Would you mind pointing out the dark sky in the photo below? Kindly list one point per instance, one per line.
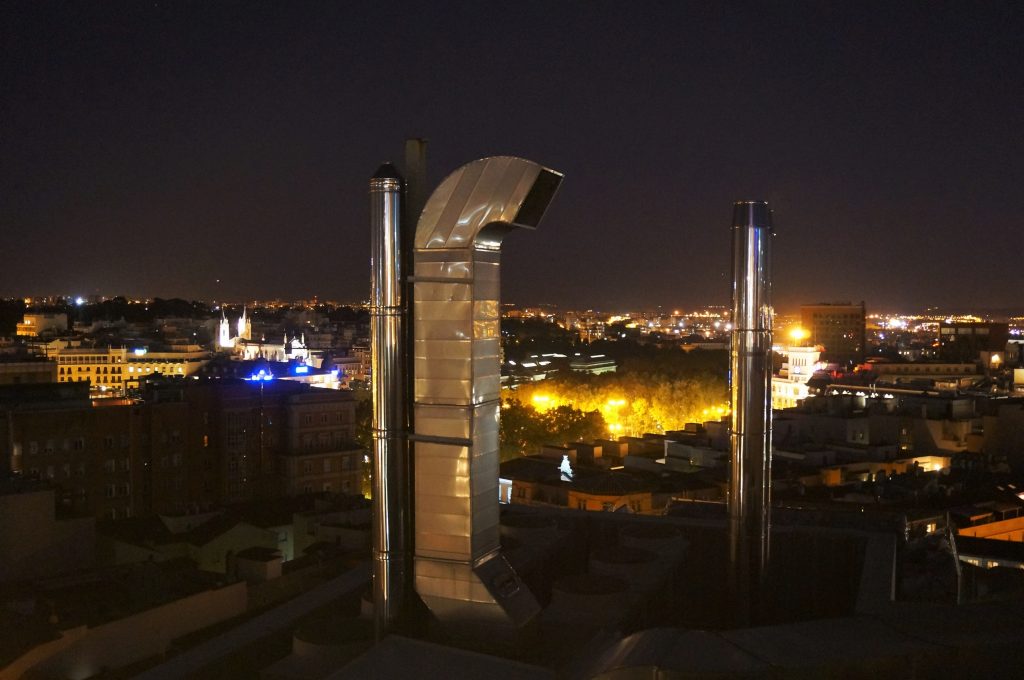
(153, 148)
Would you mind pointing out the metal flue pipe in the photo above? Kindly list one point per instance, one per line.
(392, 556)
(751, 432)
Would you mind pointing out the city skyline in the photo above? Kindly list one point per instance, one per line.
(223, 151)
(938, 312)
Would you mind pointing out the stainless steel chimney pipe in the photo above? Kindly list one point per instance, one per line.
(751, 433)
(392, 557)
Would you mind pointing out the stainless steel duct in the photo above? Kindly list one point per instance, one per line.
(392, 575)
(751, 435)
(460, 573)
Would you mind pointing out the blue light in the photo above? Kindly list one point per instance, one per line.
(302, 369)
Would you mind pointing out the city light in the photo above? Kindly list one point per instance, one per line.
(798, 334)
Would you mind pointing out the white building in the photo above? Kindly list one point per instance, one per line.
(790, 385)
(243, 330)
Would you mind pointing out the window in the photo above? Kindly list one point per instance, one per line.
(307, 467)
(307, 419)
(33, 448)
(327, 464)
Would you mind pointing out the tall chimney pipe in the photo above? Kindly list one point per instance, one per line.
(751, 434)
(392, 557)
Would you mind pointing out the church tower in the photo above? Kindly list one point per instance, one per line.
(224, 340)
(244, 326)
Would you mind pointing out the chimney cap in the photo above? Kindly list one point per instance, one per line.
(387, 171)
(752, 214)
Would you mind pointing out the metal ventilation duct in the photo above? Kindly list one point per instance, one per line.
(459, 571)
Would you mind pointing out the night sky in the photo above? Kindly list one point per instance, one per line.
(153, 148)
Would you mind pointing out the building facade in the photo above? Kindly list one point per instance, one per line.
(37, 324)
(186, 447)
(966, 341)
(838, 327)
(790, 387)
(104, 369)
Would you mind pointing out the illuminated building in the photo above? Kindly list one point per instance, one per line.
(143, 363)
(244, 326)
(790, 385)
(595, 364)
(224, 340)
(839, 327)
(104, 368)
(286, 350)
(364, 355)
(36, 324)
(243, 330)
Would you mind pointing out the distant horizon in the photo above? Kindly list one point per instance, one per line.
(935, 310)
